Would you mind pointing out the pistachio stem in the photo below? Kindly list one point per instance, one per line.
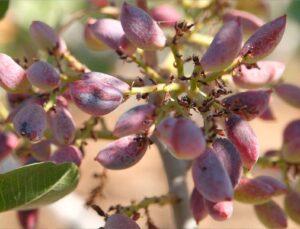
(155, 88)
(146, 202)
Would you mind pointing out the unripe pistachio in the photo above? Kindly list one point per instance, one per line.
(197, 206)
(90, 39)
(31, 121)
(28, 218)
(210, 177)
(264, 40)
(165, 15)
(137, 120)
(123, 153)
(230, 158)
(219, 211)
(291, 131)
(141, 29)
(61, 101)
(41, 151)
(8, 142)
(255, 77)
(224, 47)
(289, 93)
(46, 38)
(292, 206)
(12, 76)
(250, 104)
(62, 125)
(250, 22)
(15, 99)
(182, 136)
(125, 46)
(119, 221)
(253, 191)
(68, 153)
(43, 76)
(243, 137)
(97, 93)
(110, 32)
(30, 100)
(268, 115)
(279, 188)
(271, 215)
(108, 80)
(291, 151)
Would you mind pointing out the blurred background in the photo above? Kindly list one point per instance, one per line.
(147, 178)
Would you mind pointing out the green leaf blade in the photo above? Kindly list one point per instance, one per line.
(4, 4)
(36, 185)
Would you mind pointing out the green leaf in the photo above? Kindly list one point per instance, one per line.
(3, 7)
(36, 185)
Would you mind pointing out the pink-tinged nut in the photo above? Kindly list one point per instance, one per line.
(253, 191)
(197, 206)
(292, 206)
(224, 47)
(165, 15)
(164, 131)
(243, 137)
(123, 153)
(108, 80)
(15, 99)
(250, 104)
(289, 93)
(62, 125)
(141, 29)
(291, 151)
(219, 211)
(46, 38)
(279, 187)
(210, 177)
(29, 100)
(43, 76)
(119, 221)
(250, 22)
(271, 215)
(8, 142)
(28, 219)
(268, 115)
(97, 93)
(264, 40)
(41, 151)
(12, 76)
(182, 136)
(255, 77)
(91, 40)
(230, 158)
(291, 131)
(31, 121)
(109, 31)
(68, 153)
(125, 46)
(137, 120)
(61, 101)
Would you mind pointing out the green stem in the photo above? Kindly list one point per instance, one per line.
(155, 88)
(215, 75)
(146, 202)
(178, 61)
(148, 70)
